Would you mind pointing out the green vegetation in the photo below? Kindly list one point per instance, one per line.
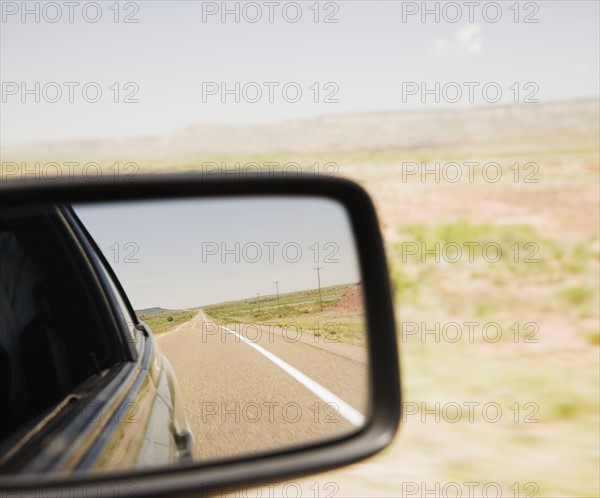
(517, 248)
(487, 254)
(579, 299)
(339, 320)
(577, 296)
(404, 287)
(593, 337)
(262, 308)
(165, 320)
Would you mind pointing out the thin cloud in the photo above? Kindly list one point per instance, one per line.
(469, 39)
(466, 41)
(440, 46)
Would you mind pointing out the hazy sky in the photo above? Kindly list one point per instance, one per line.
(186, 253)
(170, 54)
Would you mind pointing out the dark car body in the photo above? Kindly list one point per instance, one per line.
(84, 385)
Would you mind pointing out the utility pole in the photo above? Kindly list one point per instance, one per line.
(277, 287)
(257, 301)
(319, 280)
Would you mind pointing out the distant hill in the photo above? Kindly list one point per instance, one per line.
(369, 131)
(151, 311)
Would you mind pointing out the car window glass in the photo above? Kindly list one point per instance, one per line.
(122, 309)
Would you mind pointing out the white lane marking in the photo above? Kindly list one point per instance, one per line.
(348, 412)
(175, 330)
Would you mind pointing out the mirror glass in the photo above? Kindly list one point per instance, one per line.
(252, 334)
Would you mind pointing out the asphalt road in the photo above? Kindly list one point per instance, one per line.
(248, 390)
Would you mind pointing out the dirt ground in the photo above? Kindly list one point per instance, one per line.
(555, 375)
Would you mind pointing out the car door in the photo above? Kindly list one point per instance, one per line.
(87, 388)
(148, 428)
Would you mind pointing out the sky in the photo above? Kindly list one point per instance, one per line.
(179, 254)
(163, 70)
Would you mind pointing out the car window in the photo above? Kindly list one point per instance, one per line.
(54, 333)
(122, 310)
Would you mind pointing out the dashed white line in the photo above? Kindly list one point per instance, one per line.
(192, 321)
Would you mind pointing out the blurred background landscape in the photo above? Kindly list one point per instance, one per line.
(513, 401)
(544, 302)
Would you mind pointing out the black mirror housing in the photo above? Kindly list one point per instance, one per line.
(197, 478)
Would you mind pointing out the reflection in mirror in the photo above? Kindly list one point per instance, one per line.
(254, 339)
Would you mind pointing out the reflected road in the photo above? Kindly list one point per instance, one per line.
(248, 389)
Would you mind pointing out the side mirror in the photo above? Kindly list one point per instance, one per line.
(182, 335)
